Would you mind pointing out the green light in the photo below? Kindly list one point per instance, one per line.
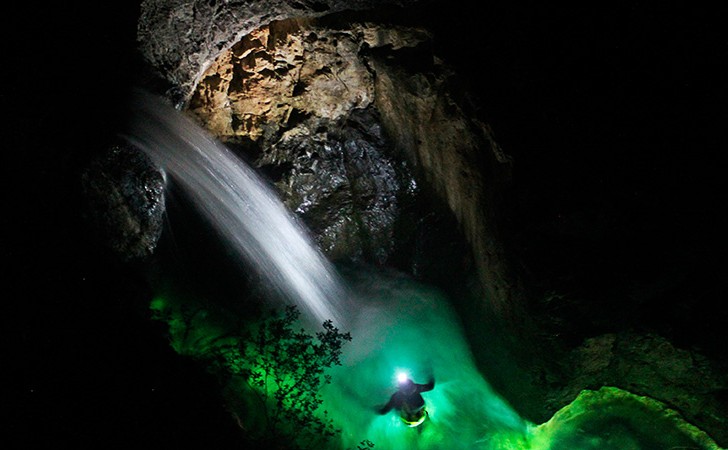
(406, 328)
(416, 421)
(402, 328)
(614, 419)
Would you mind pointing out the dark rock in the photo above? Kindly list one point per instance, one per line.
(343, 183)
(124, 196)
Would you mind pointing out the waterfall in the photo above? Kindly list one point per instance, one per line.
(241, 206)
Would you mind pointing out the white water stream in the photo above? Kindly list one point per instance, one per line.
(242, 206)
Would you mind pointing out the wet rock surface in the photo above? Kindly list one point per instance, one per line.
(343, 184)
(610, 417)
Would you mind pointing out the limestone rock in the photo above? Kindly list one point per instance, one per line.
(297, 97)
(647, 364)
(279, 74)
(180, 38)
(614, 418)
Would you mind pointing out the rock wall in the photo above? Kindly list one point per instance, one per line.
(648, 364)
(357, 123)
(297, 99)
(259, 82)
(181, 38)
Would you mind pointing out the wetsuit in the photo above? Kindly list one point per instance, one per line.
(408, 401)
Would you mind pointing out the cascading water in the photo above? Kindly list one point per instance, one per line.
(242, 208)
(396, 324)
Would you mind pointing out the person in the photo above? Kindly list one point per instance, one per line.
(408, 401)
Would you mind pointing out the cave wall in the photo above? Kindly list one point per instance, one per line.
(369, 138)
(301, 80)
(292, 95)
(297, 100)
(180, 38)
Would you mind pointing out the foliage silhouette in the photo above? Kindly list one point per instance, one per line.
(281, 371)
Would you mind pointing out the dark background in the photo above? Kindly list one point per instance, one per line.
(614, 116)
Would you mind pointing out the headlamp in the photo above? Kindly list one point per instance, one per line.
(402, 377)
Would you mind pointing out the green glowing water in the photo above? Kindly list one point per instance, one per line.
(399, 325)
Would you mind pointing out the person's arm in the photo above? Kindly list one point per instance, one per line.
(388, 407)
(426, 387)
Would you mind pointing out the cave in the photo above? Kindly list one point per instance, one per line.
(553, 172)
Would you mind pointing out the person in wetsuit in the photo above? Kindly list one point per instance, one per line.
(408, 401)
